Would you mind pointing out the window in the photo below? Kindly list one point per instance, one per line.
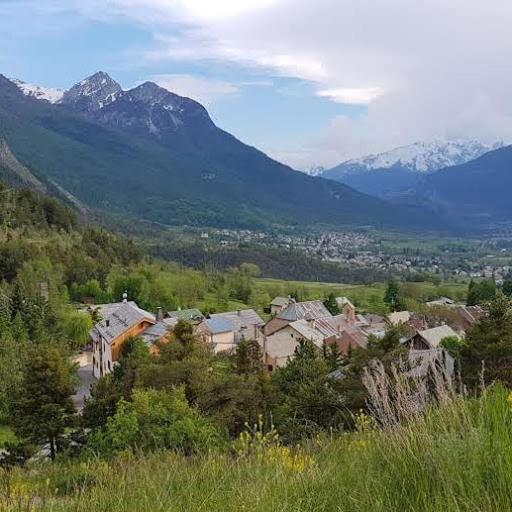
(109, 367)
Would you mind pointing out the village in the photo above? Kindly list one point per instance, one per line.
(490, 257)
(290, 322)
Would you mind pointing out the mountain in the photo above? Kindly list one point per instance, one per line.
(390, 172)
(38, 92)
(150, 154)
(478, 191)
(315, 171)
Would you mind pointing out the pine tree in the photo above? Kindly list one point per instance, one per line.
(331, 304)
(43, 408)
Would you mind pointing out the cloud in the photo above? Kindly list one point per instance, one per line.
(204, 90)
(354, 96)
(426, 69)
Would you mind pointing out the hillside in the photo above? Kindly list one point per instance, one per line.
(477, 190)
(416, 467)
(150, 154)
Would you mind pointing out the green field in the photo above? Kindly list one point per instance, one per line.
(365, 297)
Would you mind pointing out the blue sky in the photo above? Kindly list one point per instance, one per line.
(309, 82)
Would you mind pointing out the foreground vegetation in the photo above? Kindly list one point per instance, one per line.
(458, 457)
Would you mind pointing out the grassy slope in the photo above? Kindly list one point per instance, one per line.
(363, 296)
(456, 459)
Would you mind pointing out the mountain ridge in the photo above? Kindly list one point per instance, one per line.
(159, 156)
(390, 172)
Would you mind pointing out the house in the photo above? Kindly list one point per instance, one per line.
(375, 321)
(157, 334)
(280, 303)
(280, 347)
(225, 330)
(352, 337)
(347, 308)
(431, 338)
(441, 301)
(399, 318)
(467, 316)
(120, 321)
(189, 315)
(219, 333)
(422, 362)
(308, 310)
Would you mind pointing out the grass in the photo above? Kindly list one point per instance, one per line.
(6, 435)
(455, 459)
(368, 298)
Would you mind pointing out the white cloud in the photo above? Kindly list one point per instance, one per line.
(204, 90)
(426, 69)
(352, 96)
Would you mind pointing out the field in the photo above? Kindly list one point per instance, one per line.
(455, 458)
(366, 297)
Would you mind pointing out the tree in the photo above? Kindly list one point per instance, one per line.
(507, 287)
(156, 419)
(331, 304)
(184, 332)
(489, 345)
(453, 345)
(310, 400)
(482, 292)
(393, 296)
(248, 358)
(77, 326)
(43, 408)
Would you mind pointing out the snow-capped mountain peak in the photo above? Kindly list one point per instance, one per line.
(92, 93)
(39, 92)
(421, 157)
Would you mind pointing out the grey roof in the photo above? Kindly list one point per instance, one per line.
(241, 319)
(186, 314)
(309, 310)
(434, 336)
(281, 301)
(118, 320)
(331, 325)
(219, 325)
(155, 332)
(107, 309)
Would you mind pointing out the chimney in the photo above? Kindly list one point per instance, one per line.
(159, 314)
(239, 312)
(107, 322)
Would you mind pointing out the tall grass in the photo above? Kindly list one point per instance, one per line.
(457, 457)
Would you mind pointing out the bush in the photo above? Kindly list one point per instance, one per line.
(156, 419)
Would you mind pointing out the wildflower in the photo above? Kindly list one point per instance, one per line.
(509, 399)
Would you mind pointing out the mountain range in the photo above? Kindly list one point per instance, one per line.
(391, 172)
(149, 154)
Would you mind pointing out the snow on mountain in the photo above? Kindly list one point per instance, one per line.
(420, 157)
(314, 171)
(39, 92)
(92, 93)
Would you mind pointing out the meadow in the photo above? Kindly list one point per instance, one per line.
(368, 298)
(457, 457)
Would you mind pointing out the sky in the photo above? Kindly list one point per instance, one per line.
(310, 82)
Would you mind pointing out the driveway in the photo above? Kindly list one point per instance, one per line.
(83, 391)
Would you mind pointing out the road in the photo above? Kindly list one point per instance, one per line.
(83, 390)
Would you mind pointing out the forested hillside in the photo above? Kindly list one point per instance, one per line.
(184, 171)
